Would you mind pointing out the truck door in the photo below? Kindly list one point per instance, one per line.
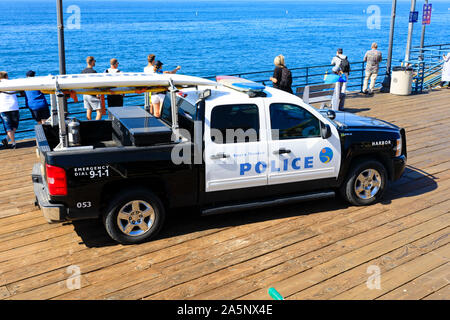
(235, 146)
(297, 152)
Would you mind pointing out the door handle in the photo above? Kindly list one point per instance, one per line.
(220, 156)
(282, 151)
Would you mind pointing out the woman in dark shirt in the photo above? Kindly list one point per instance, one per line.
(277, 77)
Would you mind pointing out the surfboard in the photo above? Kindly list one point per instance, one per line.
(104, 83)
(239, 84)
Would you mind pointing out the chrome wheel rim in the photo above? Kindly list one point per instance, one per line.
(136, 218)
(367, 184)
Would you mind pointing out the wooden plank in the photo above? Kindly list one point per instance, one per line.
(4, 293)
(401, 275)
(108, 282)
(303, 280)
(247, 255)
(442, 294)
(228, 262)
(295, 258)
(422, 286)
(329, 288)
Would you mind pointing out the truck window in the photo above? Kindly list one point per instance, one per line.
(235, 123)
(292, 122)
(186, 113)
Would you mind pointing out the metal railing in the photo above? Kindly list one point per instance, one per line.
(427, 64)
(425, 61)
(312, 75)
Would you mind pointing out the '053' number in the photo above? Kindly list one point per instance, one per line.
(84, 205)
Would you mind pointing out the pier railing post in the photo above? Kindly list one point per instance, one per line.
(362, 75)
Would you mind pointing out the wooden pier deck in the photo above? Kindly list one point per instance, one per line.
(313, 250)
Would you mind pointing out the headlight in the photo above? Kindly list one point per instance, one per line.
(398, 147)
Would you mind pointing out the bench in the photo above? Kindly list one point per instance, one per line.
(321, 93)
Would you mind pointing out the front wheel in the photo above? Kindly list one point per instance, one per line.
(365, 183)
(134, 216)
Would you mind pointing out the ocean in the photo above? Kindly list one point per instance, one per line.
(205, 38)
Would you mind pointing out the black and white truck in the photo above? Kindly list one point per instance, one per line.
(216, 148)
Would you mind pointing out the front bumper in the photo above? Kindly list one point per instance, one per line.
(398, 166)
(52, 212)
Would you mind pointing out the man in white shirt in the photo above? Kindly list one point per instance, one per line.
(114, 100)
(9, 113)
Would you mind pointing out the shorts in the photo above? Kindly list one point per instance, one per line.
(91, 102)
(40, 114)
(158, 97)
(10, 120)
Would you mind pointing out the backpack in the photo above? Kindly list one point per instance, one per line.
(286, 78)
(345, 65)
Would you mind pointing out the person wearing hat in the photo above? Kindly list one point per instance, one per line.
(36, 102)
(157, 68)
(158, 98)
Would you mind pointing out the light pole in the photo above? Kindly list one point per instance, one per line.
(387, 79)
(61, 48)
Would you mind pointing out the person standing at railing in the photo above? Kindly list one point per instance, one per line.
(282, 76)
(149, 69)
(114, 100)
(372, 58)
(446, 71)
(91, 102)
(9, 113)
(157, 99)
(341, 64)
(36, 102)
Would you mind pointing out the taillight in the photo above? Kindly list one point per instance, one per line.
(56, 180)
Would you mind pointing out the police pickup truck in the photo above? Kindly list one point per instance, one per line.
(226, 146)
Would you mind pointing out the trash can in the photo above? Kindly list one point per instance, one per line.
(401, 80)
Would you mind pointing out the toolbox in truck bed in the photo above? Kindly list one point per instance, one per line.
(135, 126)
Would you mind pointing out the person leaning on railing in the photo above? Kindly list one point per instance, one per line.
(445, 71)
(36, 102)
(372, 58)
(9, 113)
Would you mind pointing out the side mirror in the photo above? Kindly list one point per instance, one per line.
(325, 131)
(331, 114)
(205, 94)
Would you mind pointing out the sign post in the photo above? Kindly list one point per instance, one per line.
(413, 17)
(426, 19)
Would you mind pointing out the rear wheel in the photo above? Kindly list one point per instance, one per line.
(134, 216)
(365, 183)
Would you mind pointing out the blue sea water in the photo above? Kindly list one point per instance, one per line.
(204, 37)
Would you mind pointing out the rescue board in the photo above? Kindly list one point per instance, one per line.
(104, 83)
(239, 84)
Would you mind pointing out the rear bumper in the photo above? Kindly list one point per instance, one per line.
(52, 212)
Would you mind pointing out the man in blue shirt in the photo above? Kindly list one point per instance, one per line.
(36, 102)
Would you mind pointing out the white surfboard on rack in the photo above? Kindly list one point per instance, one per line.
(102, 82)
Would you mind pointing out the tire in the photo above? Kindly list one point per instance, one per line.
(134, 216)
(365, 183)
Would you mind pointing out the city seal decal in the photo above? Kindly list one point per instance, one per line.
(326, 155)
